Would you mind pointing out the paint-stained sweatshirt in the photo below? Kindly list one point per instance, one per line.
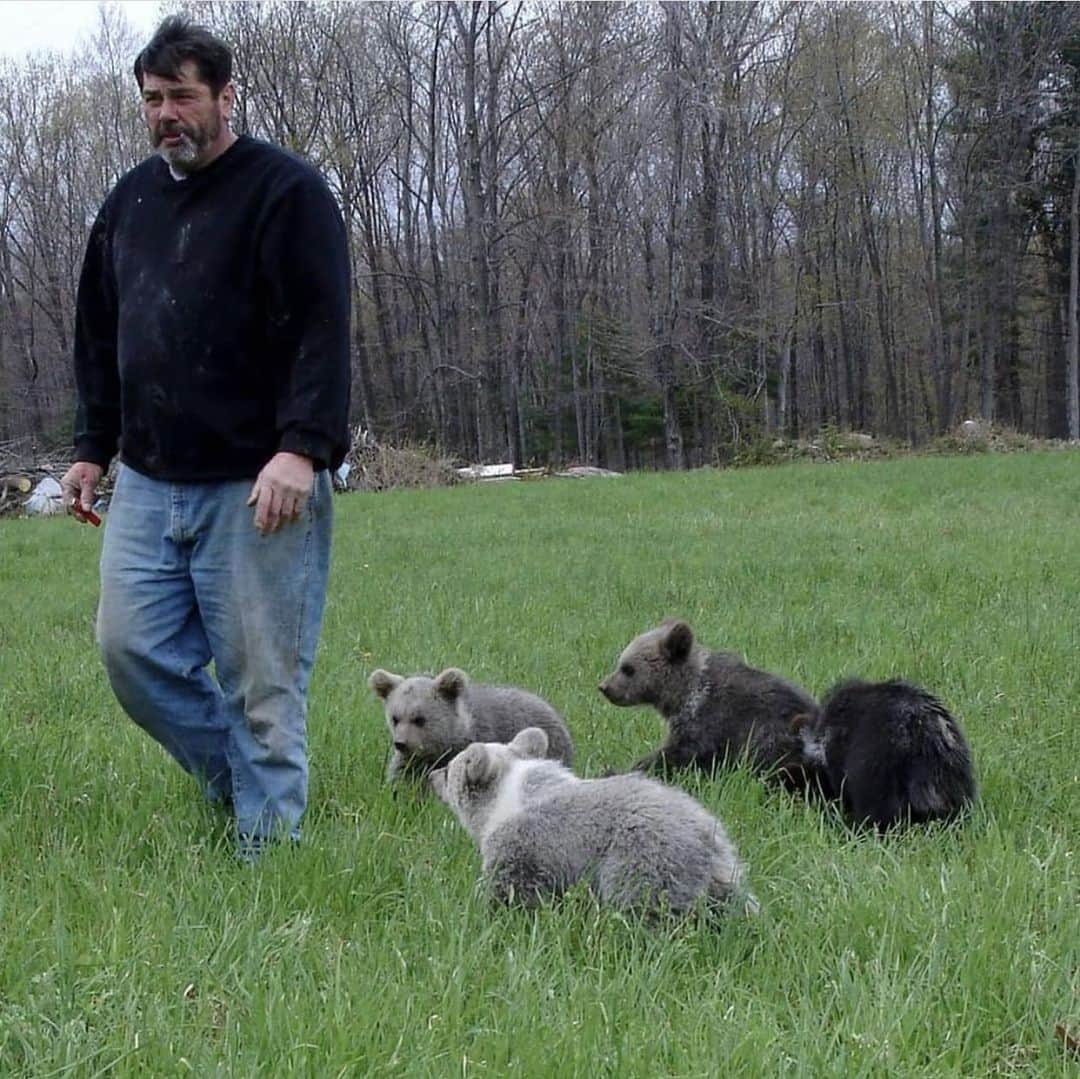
(212, 323)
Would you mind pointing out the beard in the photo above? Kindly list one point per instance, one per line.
(186, 155)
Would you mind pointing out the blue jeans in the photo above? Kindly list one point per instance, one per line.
(186, 579)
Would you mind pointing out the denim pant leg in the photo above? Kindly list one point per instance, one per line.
(151, 634)
(261, 600)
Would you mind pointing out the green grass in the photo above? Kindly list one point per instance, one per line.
(132, 944)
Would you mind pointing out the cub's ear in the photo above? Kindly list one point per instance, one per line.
(451, 683)
(803, 719)
(531, 742)
(437, 779)
(676, 643)
(383, 683)
(481, 766)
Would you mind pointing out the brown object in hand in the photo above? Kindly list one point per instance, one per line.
(89, 516)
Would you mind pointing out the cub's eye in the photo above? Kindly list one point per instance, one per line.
(418, 721)
(627, 669)
(395, 720)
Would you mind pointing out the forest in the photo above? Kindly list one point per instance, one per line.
(635, 235)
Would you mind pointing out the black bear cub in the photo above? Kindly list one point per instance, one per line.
(890, 751)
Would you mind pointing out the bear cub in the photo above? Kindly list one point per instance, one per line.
(431, 719)
(718, 708)
(639, 845)
(890, 751)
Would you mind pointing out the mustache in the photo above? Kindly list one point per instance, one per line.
(194, 137)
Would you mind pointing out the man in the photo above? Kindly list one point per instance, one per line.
(212, 350)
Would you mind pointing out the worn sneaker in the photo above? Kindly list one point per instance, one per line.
(250, 848)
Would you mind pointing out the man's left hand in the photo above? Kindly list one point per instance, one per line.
(281, 491)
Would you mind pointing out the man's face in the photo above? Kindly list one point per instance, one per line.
(188, 125)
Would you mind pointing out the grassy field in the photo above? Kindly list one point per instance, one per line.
(133, 944)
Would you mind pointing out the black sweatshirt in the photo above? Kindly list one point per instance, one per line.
(212, 324)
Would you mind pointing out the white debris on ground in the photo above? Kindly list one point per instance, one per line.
(586, 471)
(506, 471)
(46, 499)
(503, 471)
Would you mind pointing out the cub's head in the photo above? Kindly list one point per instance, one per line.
(420, 711)
(649, 665)
(471, 784)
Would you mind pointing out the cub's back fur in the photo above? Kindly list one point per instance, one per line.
(638, 844)
(432, 719)
(891, 752)
(718, 708)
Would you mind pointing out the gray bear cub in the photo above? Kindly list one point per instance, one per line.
(431, 719)
(718, 709)
(640, 846)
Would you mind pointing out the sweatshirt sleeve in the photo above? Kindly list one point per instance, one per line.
(305, 262)
(97, 376)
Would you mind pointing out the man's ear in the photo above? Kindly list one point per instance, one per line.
(227, 97)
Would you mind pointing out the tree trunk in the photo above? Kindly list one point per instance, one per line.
(1073, 384)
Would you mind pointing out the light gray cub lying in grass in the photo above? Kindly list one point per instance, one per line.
(718, 708)
(640, 845)
(431, 719)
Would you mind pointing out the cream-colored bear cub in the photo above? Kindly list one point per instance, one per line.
(431, 719)
(640, 845)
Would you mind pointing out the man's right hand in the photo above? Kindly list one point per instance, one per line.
(80, 481)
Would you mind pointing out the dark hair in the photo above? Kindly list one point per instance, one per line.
(178, 40)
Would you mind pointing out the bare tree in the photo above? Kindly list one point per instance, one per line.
(637, 234)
